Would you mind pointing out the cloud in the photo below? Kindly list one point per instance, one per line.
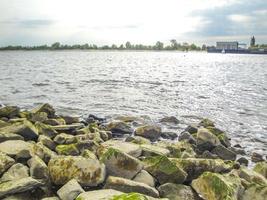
(29, 23)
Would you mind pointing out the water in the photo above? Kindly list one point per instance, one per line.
(230, 89)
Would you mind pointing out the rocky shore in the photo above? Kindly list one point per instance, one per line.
(48, 156)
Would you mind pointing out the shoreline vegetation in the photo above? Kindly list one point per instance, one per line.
(48, 156)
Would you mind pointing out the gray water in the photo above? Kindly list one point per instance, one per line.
(230, 89)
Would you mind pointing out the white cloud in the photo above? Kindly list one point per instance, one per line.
(239, 18)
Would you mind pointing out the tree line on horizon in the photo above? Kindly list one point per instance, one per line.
(174, 45)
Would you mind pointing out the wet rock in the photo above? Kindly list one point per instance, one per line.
(206, 140)
(98, 194)
(3, 123)
(10, 136)
(70, 190)
(224, 153)
(261, 168)
(17, 186)
(55, 122)
(209, 155)
(169, 135)
(48, 142)
(67, 150)
(238, 150)
(16, 148)
(177, 192)
(87, 145)
(177, 149)
(17, 171)
(47, 108)
(125, 185)
(256, 157)
(5, 162)
(38, 169)
(64, 138)
(119, 127)
(37, 117)
(148, 131)
(70, 119)
(171, 119)
(144, 177)
(206, 123)
(153, 150)
(187, 137)
(192, 129)
(255, 192)
(242, 161)
(137, 140)
(164, 170)
(88, 172)
(9, 111)
(45, 130)
(68, 127)
(88, 154)
(120, 164)
(51, 198)
(251, 176)
(42, 152)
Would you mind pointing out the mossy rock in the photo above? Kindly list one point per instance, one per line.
(37, 117)
(206, 123)
(55, 122)
(64, 138)
(119, 127)
(164, 170)
(148, 131)
(45, 129)
(261, 168)
(42, 152)
(16, 148)
(252, 176)
(47, 108)
(206, 140)
(213, 186)
(153, 150)
(88, 154)
(129, 196)
(5, 162)
(256, 192)
(137, 140)
(102, 194)
(9, 111)
(67, 149)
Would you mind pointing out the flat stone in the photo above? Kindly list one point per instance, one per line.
(144, 177)
(5, 162)
(70, 190)
(10, 136)
(103, 194)
(19, 148)
(17, 171)
(38, 169)
(224, 153)
(153, 150)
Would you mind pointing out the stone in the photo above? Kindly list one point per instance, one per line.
(20, 148)
(70, 190)
(194, 167)
(3, 123)
(148, 131)
(255, 192)
(10, 136)
(242, 161)
(18, 186)
(144, 177)
(67, 150)
(133, 196)
(88, 154)
(206, 140)
(68, 127)
(46, 141)
(212, 186)
(224, 153)
(47, 108)
(102, 194)
(88, 172)
(153, 150)
(38, 169)
(256, 157)
(206, 123)
(42, 152)
(177, 192)
(192, 129)
(177, 149)
(251, 176)
(17, 171)
(126, 147)
(169, 135)
(84, 145)
(121, 164)
(125, 185)
(209, 155)
(51, 198)
(20, 196)
(187, 137)
(5, 162)
(137, 140)
(45, 130)
(64, 138)
(119, 127)
(171, 119)
(9, 111)
(164, 170)
(24, 128)
(37, 117)
(55, 122)
(238, 150)
(261, 168)
(70, 119)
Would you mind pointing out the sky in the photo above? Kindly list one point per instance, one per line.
(36, 22)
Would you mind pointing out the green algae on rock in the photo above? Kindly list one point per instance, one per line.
(5, 162)
(67, 150)
(102, 194)
(261, 168)
(148, 131)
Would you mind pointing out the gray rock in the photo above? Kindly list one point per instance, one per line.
(17, 171)
(239, 151)
(5, 162)
(47, 142)
(70, 190)
(70, 119)
(256, 157)
(119, 127)
(209, 155)
(206, 140)
(191, 129)
(19, 185)
(47, 108)
(127, 186)
(224, 153)
(153, 150)
(137, 140)
(170, 119)
(46, 130)
(187, 136)
(10, 136)
(144, 177)
(169, 135)
(243, 161)
(38, 169)
(20, 148)
(64, 138)
(9, 111)
(42, 152)
(51, 198)
(21, 196)
(149, 131)
(255, 192)
(102, 194)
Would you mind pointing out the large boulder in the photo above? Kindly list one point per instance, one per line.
(148, 131)
(144, 177)
(88, 172)
(103, 194)
(70, 190)
(251, 176)
(17, 171)
(121, 164)
(47, 108)
(206, 140)
(164, 170)
(212, 186)
(18, 186)
(5, 162)
(125, 185)
(119, 127)
(224, 153)
(16, 148)
(261, 168)
(177, 192)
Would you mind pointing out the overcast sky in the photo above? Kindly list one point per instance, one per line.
(35, 22)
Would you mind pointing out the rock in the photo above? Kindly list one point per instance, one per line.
(3, 123)
(137, 140)
(187, 136)
(51, 198)
(88, 172)
(5, 162)
(192, 129)
(88, 154)
(152, 150)
(177, 149)
(171, 119)
(133, 196)
(70, 119)
(37, 117)
(251, 176)
(67, 150)
(20, 196)
(17, 171)
(45, 130)
(10, 136)
(144, 177)
(148, 131)
(206, 123)
(119, 127)
(169, 135)
(105, 135)
(209, 155)
(38, 169)
(47, 142)
(98, 194)
(17, 186)
(177, 192)
(55, 122)
(24, 128)
(9, 111)
(69, 127)
(70, 190)
(164, 170)
(243, 161)
(20, 148)
(87, 145)
(194, 167)
(206, 140)
(255, 157)
(64, 138)
(126, 147)
(47, 108)
(212, 186)
(238, 150)
(121, 164)
(42, 152)
(255, 192)
(125, 185)
(224, 153)
(261, 168)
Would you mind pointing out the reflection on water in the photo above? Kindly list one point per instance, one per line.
(231, 89)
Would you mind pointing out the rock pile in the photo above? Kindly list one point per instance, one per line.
(48, 156)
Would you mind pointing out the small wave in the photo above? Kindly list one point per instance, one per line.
(40, 84)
